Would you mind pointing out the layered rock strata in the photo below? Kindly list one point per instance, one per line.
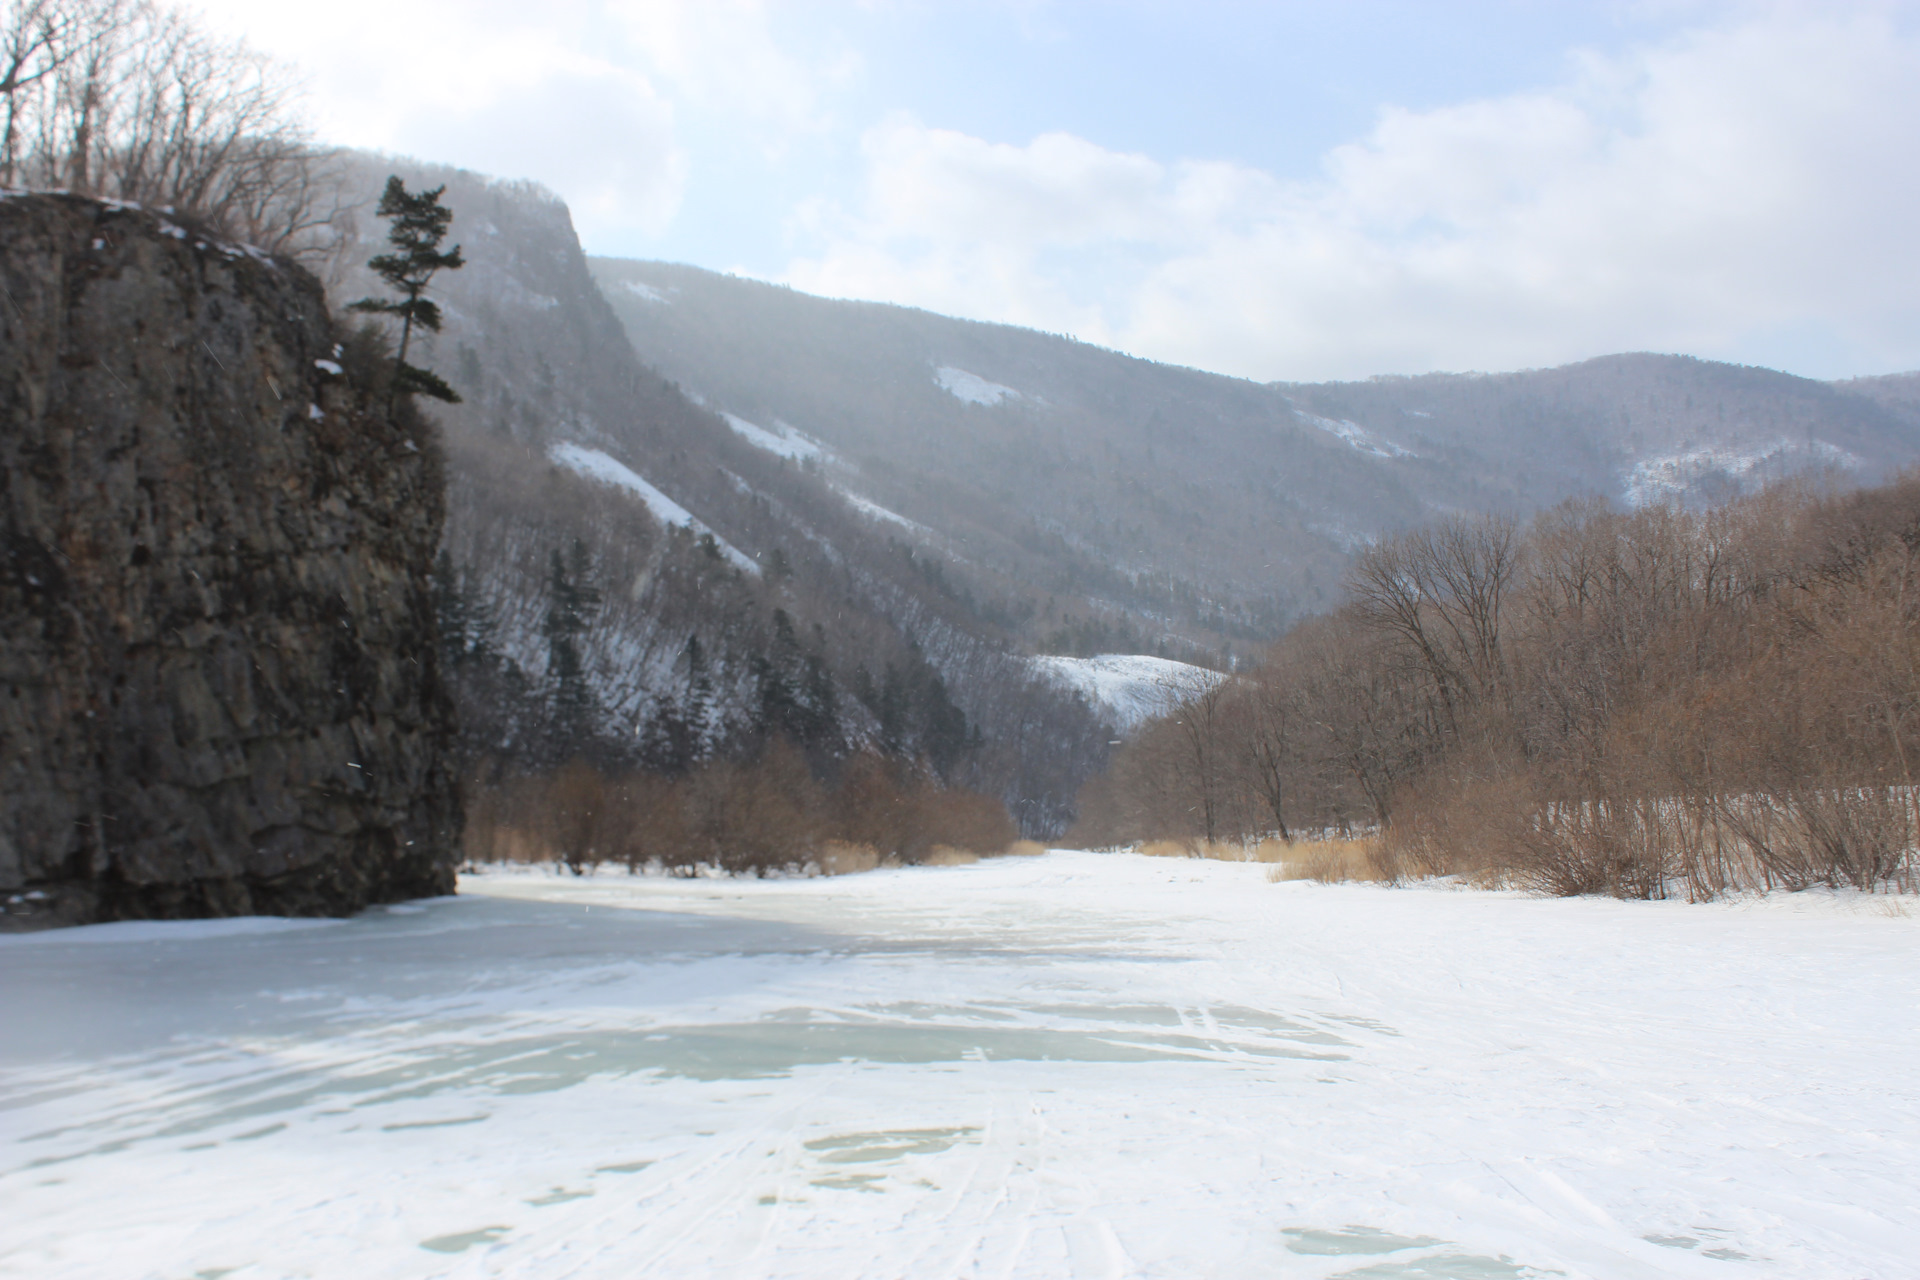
(218, 685)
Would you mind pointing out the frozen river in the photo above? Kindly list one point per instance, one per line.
(1071, 1065)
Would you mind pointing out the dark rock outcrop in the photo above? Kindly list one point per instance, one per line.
(218, 683)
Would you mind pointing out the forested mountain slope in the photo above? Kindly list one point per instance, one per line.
(1638, 428)
(1184, 503)
(689, 512)
(715, 595)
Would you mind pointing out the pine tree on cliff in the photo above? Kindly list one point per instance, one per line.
(420, 223)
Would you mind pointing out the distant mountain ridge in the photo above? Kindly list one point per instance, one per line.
(1636, 427)
(1124, 504)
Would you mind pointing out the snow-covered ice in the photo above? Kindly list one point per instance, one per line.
(596, 465)
(971, 387)
(1059, 1066)
(1130, 687)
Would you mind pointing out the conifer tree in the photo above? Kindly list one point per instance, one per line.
(571, 601)
(420, 223)
(451, 611)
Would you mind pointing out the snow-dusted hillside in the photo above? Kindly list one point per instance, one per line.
(971, 388)
(1219, 508)
(596, 465)
(565, 437)
(1129, 687)
(1066, 1066)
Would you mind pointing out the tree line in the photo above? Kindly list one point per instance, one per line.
(627, 694)
(1640, 703)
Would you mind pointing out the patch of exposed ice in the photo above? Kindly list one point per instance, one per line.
(596, 465)
(971, 387)
(1356, 435)
(1131, 687)
(785, 440)
(130, 931)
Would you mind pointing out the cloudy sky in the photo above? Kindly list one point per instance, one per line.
(1275, 190)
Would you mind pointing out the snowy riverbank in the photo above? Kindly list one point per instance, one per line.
(1073, 1065)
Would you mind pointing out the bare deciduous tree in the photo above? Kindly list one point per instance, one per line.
(130, 100)
(1639, 703)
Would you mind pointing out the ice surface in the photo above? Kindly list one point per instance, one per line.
(971, 387)
(1070, 1065)
(596, 465)
(1131, 687)
(1349, 1240)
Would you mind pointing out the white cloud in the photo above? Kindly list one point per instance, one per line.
(722, 55)
(1743, 192)
(580, 95)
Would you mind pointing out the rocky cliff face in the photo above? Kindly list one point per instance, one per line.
(218, 684)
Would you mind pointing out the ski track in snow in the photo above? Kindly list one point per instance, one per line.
(1069, 1065)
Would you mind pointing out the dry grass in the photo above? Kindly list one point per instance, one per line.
(1330, 861)
(838, 858)
(507, 844)
(945, 855)
(766, 816)
(1024, 849)
(1216, 850)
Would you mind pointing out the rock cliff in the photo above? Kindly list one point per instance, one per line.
(218, 684)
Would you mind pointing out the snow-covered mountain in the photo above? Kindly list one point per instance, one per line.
(1125, 504)
(1129, 688)
(747, 582)
(870, 517)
